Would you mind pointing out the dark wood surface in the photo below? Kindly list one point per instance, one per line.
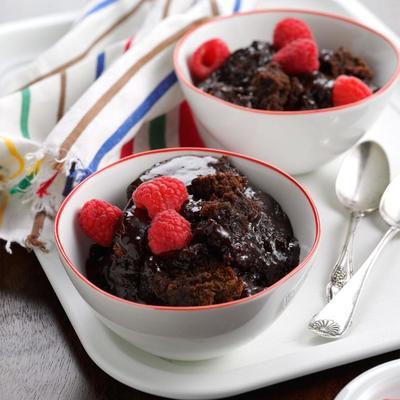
(42, 358)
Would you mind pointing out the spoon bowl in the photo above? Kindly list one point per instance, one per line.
(390, 204)
(363, 177)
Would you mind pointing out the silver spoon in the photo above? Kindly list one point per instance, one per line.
(335, 318)
(362, 178)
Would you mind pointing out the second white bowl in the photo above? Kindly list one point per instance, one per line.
(299, 141)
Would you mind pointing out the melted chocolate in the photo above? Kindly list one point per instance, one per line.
(242, 241)
(249, 78)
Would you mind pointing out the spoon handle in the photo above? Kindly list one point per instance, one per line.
(343, 269)
(336, 317)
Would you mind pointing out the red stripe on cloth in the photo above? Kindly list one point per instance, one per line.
(128, 44)
(188, 134)
(42, 190)
(128, 148)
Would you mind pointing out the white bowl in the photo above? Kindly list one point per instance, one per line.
(381, 382)
(299, 141)
(186, 333)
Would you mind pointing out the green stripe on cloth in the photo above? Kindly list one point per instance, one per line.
(157, 133)
(26, 181)
(25, 104)
(22, 185)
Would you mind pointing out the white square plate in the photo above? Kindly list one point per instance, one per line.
(286, 350)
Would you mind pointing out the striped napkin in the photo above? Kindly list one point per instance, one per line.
(105, 90)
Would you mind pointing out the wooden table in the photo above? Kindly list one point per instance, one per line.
(42, 358)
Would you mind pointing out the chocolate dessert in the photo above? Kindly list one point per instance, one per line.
(242, 241)
(250, 78)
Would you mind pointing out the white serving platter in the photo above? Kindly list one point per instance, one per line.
(287, 349)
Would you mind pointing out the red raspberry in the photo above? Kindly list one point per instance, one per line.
(298, 57)
(169, 231)
(289, 29)
(207, 58)
(159, 194)
(348, 89)
(98, 218)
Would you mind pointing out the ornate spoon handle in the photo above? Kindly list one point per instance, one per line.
(343, 269)
(336, 317)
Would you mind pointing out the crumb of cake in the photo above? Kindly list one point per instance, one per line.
(215, 186)
(203, 287)
(272, 87)
(343, 62)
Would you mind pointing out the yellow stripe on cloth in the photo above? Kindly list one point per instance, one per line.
(3, 205)
(14, 153)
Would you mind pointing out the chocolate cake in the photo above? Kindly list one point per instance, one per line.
(250, 78)
(242, 241)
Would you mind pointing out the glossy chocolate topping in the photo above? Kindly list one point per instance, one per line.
(242, 241)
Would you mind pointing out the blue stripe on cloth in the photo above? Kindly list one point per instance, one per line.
(100, 64)
(236, 6)
(133, 119)
(70, 180)
(99, 6)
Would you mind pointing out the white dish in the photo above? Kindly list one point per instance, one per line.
(187, 333)
(287, 139)
(280, 353)
(379, 383)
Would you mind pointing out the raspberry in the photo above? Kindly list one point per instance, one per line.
(207, 58)
(289, 29)
(169, 231)
(348, 89)
(159, 194)
(98, 218)
(298, 57)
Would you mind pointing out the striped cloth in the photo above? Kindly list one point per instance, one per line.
(103, 91)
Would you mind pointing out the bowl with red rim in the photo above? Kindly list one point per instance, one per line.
(296, 141)
(186, 333)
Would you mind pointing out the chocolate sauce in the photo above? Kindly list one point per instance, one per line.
(251, 79)
(242, 241)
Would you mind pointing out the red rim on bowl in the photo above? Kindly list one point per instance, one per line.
(350, 21)
(191, 308)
